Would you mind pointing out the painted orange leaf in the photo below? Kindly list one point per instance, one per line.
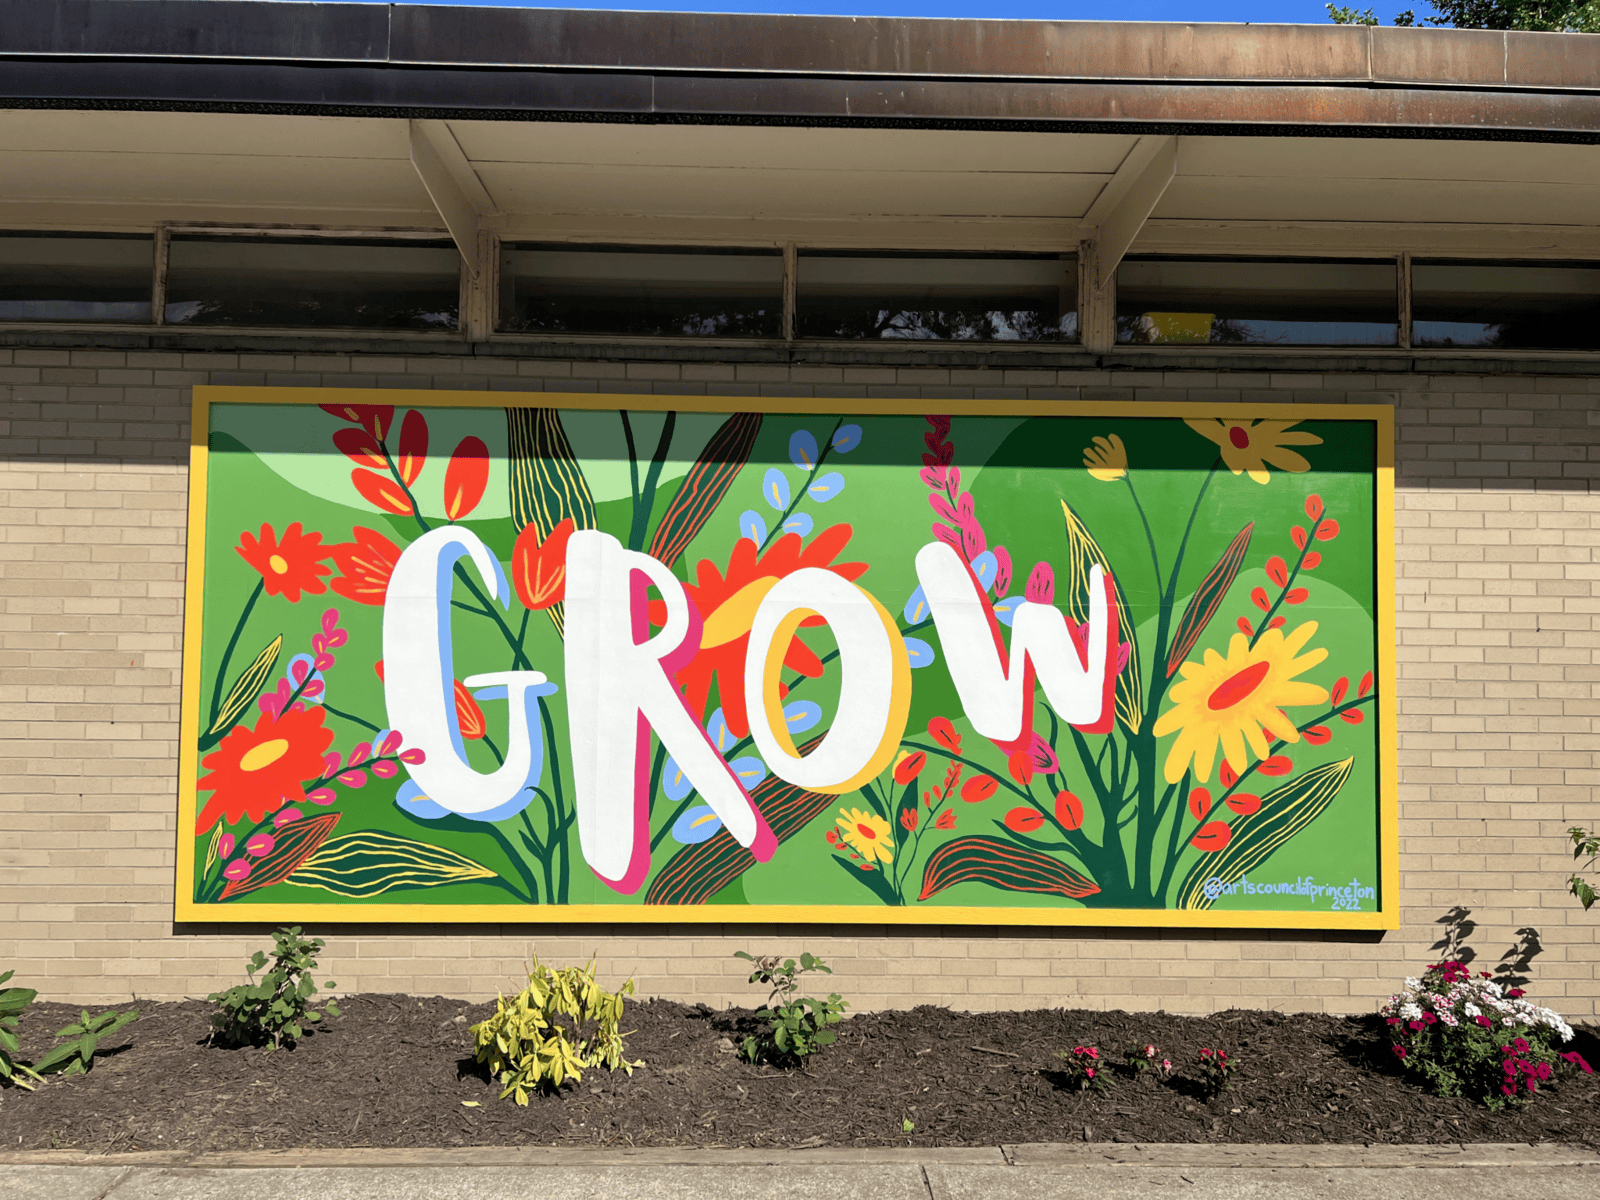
(1020, 765)
(360, 447)
(466, 477)
(978, 788)
(539, 569)
(1199, 803)
(473, 726)
(1278, 764)
(1069, 810)
(1213, 836)
(1023, 820)
(1318, 735)
(1244, 803)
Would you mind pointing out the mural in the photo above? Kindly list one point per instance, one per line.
(1067, 664)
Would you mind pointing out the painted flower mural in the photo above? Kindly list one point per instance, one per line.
(1072, 690)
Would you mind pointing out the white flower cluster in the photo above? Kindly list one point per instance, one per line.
(1467, 999)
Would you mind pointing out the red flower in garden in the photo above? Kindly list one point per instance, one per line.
(289, 566)
(727, 602)
(365, 566)
(257, 771)
(465, 478)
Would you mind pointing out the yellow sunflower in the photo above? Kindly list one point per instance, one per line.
(867, 834)
(1253, 446)
(1107, 459)
(1238, 699)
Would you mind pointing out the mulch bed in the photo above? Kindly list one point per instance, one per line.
(396, 1071)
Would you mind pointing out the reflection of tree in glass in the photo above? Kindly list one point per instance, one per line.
(420, 310)
(641, 316)
(941, 325)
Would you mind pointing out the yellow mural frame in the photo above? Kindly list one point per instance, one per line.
(1386, 916)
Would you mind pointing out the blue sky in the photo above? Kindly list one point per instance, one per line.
(1293, 12)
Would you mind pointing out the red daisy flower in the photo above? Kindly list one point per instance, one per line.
(290, 566)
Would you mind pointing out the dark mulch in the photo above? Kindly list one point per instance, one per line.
(395, 1071)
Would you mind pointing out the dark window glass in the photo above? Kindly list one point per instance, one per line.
(1511, 306)
(1257, 302)
(946, 297)
(305, 282)
(642, 293)
(75, 277)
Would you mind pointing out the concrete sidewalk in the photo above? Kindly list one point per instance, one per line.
(1047, 1171)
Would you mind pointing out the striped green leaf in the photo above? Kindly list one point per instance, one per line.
(1084, 553)
(547, 484)
(243, 692)
(1206, 599)
(293, 844)
(698, 872)
(704, 487)
(1001, 864)
(1284, 812)
(366, 864)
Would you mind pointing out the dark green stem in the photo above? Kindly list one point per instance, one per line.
(233, 642)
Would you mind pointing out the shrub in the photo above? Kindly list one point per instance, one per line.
(561, 1023)
(12, 1003)
(278, 1008)
(1467, 1036)
(1585, 844)
(796, 1026)
(76, 1056)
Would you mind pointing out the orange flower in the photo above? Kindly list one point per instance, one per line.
(365, 565)
(468, 715)
(727, 603)
(257, 771)
(413, 446)
(947, 819)
(288, 567)
(381, 491)
(539, 570)
(466, 477)
(376, 419)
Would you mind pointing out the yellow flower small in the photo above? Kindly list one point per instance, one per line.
(1107, 460)
(1252, 446)
(867, 834)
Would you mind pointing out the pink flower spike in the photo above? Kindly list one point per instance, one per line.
(225, 846)
(285, 816)
(337, 638)
(1041, 587)
(1044, 763)
(237, 869)
(330, 620)
(385, 768)
(322, 796)
(314, 688)
(319, 643)
(413, 756)
(360, 754)
(353, 779)
(332, 762)
(260, 844)
(322, 662)
(299, 670)
(390, 742)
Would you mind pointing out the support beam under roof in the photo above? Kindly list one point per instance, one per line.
(1127, 201)
(452, 184)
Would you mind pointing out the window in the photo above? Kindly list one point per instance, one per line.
(308, 281)
(75, 277)
(1282, 302)
(944, 297)
(638, 292)
(1508, 306)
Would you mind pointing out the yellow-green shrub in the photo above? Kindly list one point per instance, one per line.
(562, 1022)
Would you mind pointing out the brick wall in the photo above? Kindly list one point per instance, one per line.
(1497, 523)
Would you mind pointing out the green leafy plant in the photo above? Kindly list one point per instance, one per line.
(1084, 1070)
(796, 1026)
(278, 1007)
(1144, 1056)
(76, 1056)
(12, 1003)
(1216, 1072)
(560, 1024)
(1585, 845)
